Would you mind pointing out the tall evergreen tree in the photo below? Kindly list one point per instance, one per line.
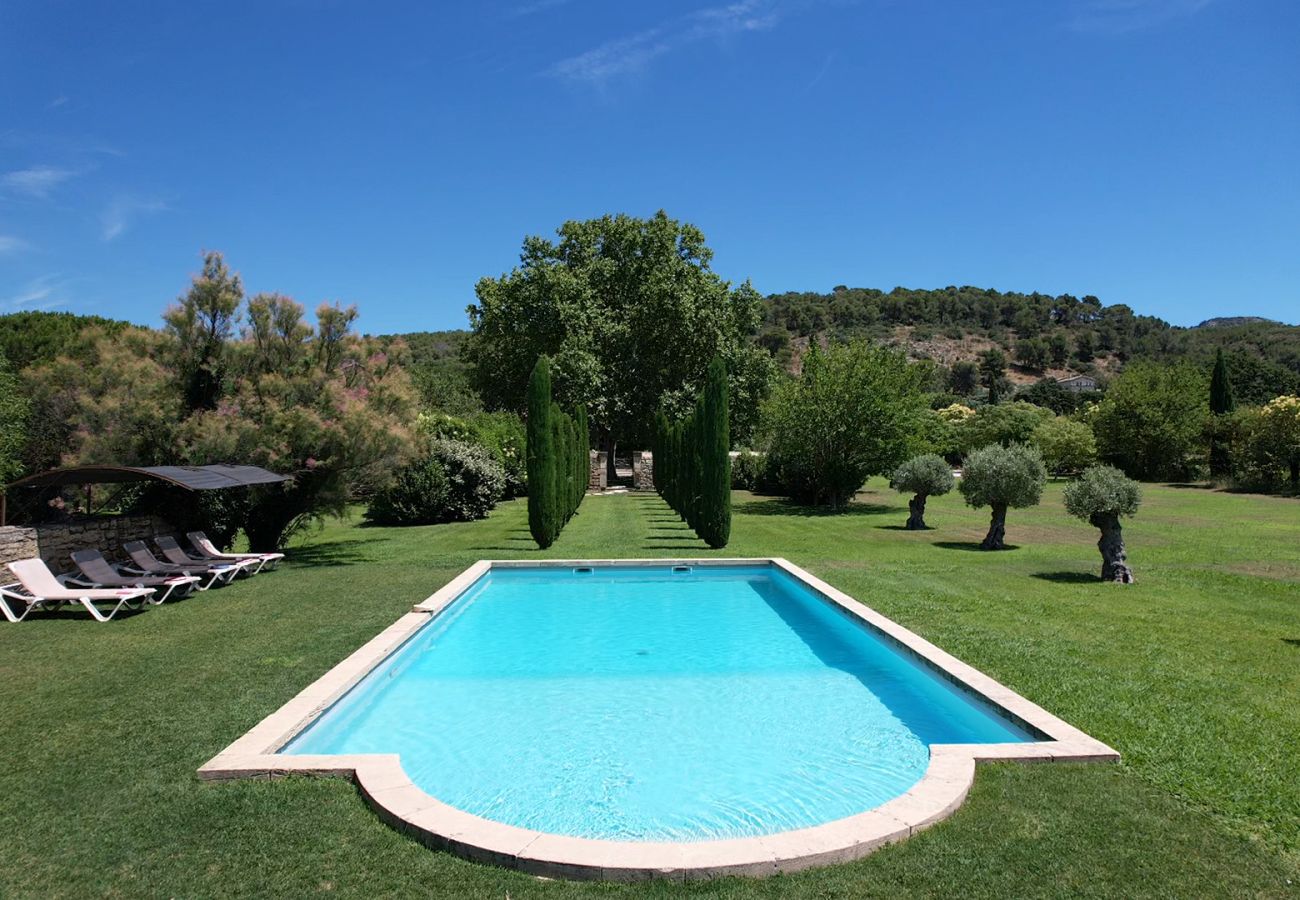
(541, 457)
(1222, 403)
(1221, 397)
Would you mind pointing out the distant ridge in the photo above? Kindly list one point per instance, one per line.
(1229, 321)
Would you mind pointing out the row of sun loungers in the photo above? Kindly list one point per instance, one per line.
(98, 584)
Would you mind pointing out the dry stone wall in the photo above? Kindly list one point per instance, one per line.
(55, 543)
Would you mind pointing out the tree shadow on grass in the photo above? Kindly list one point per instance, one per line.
(1068, 577)
(972, 545)
(902, 528)
(790, 508)
(1294, 642)
(334, 553)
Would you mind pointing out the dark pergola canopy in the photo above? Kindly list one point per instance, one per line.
(192, 478)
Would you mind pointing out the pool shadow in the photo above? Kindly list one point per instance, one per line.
(790, 508)
(971, 545)
(1068, 577)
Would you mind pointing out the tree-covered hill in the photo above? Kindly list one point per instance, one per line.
(1041, 334)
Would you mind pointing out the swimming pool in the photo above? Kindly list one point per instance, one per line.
(652, 705)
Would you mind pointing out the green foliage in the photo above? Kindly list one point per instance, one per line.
(1033, 353)
(1269, 443)
(1005, 424)
(747, 470)
(1150, 423)
(501, 433)
(1067, 445)
(1049, 394)
(32, 338)
(928, 475)
(1102, 491)
(201, 325)
(852, 413)
(963, 377)
(556, 459)
(15, 409)
(1221, 398)
(630, 314)
(692, 461)
(454, 482)
(992, 369)
(1003, 476)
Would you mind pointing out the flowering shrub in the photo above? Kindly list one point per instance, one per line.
(455, 482)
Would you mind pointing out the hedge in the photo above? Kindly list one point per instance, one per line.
(692, 461)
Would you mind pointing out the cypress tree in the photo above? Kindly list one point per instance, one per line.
(692, 461)
(715, 519)
(1221, 398)
(1222, 403)
(541, 457)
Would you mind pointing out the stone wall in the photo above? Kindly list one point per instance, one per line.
(597, 480)
(55, 543)
(643, 471)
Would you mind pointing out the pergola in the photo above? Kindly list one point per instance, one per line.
(191, 478)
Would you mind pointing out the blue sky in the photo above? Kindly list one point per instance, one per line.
(389, 155)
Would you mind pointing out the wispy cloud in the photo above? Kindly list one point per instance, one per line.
(45, 292)
(10, 245)
(630, 54)
(37, 181)
(1123, 16)
(536, 6)
(123, 212)
(57, 102)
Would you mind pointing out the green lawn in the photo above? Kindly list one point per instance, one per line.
(1193, 674)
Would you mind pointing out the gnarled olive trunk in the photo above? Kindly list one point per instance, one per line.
(916, 521)
(997, 529)
(1114, 565)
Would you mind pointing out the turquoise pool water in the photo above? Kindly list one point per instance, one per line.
(634, 703)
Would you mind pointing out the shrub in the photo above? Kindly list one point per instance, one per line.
(747, 471)
(1001, 477)
(1100, 496)
(1067, 445)
(923, 476)
(1005, 424)
(455, 482)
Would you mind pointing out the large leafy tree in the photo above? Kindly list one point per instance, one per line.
(851, 414)
(201, 324)
(1152, 420)
(630, 314)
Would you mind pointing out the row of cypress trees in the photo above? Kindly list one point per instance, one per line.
(558, 459)
(692, 461)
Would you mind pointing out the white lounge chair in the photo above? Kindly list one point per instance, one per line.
(208, 550)
(41, 590)
(178, 557)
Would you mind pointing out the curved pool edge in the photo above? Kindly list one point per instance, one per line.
(400, 803)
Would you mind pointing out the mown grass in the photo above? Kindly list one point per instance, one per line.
(1193, 674)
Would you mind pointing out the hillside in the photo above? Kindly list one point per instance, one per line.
(1042, 336)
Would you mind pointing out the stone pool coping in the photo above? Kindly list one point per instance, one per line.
(401, 804)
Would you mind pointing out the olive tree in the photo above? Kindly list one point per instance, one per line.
(928, 475)
(1100, 496)
(1001, 477)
